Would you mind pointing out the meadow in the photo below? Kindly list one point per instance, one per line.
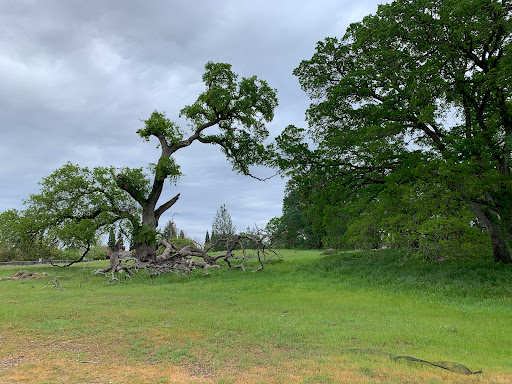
(297, 321)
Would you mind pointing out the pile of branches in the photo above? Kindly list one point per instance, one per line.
(185, 259)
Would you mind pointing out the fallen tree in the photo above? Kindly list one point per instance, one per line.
(183, 260)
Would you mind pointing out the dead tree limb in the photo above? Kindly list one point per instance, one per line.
(183, 260)
(55, 283)
(74, 261)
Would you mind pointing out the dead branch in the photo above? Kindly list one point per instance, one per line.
(74, 261)
(55, 283)
(183, 260)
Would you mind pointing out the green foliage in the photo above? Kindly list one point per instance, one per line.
(223, 229)
(166, 169)
(161, 127)
(120, 240)
(182, 241)
(145, 235)
(111, 238)
(20, 238)
(294, 229)
(416, 96)
(240, 108)
(98, 253)
(252, 232)
(170, 230)
(135, 181)
(75, 204)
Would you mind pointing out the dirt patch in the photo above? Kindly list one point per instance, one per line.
(25, 275)
(10, 362)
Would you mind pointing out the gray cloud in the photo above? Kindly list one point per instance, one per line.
(77, 77)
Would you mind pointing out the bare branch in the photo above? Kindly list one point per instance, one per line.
(74, 261)
(183, 260)
(164, 207)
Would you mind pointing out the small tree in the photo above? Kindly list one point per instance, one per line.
(207, 238)
(120, 240)
(223, 228)
(170, 230)
(111, 239)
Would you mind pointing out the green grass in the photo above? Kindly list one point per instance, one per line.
(305, 306)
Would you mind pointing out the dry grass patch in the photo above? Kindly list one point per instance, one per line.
(45, 359)
(25, 275)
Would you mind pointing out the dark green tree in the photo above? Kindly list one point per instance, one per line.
(207, 238)
(75, 203)
(120, 240)
(294, 229)
(420, 82)
(111, 239)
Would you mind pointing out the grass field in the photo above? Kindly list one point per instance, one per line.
(291, 323)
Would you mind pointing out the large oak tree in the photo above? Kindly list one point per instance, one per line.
(75, 203)
(420, 85)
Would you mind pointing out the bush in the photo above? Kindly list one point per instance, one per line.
(8, 253)
(98, 253)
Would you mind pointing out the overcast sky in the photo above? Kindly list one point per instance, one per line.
(76, 78)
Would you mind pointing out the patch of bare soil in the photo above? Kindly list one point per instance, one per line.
(25, 275)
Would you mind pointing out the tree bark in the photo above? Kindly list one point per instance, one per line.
(499, 244)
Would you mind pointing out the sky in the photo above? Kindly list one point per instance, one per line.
(77, 78)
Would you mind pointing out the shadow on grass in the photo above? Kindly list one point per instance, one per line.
(392, 270)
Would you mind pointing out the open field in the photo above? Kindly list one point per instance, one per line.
(290, 323)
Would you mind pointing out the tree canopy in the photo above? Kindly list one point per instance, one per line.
(413, 101)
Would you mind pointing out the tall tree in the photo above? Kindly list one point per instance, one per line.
(420, 82)
(75, 203)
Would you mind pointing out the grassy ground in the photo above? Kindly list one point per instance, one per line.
(291, 323)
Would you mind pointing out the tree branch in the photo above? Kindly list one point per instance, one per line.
(195, 136)
(164, 207)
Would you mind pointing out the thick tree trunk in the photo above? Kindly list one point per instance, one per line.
(145, 245)
(145, 252)
(500, 248)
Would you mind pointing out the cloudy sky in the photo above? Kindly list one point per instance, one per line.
(76, 78)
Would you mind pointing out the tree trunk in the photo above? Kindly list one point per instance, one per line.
(145, 252)
(146, 244)
(500, 249)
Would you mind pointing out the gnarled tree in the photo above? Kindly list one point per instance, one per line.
(75, 203)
